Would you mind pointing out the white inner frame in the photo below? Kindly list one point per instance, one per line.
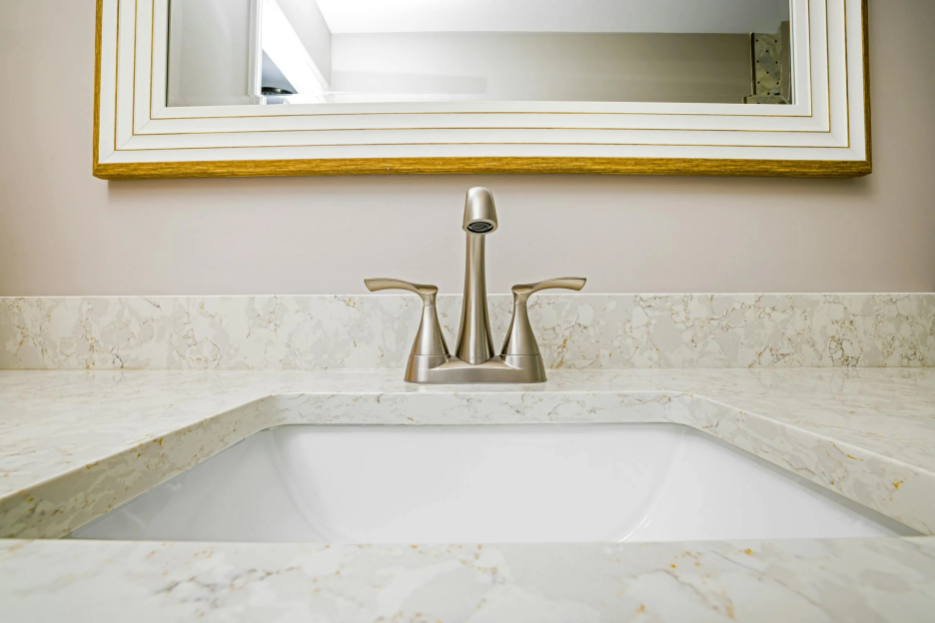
(825, 123)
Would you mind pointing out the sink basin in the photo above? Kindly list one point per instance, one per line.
(489, 484)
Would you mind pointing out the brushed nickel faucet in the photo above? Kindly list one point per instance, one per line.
(475, 360)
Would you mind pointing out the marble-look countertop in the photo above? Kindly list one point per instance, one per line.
(74, 445)
(849, 580)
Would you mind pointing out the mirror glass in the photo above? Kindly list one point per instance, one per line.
(280, 52)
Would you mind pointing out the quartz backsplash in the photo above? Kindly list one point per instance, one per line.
(575, 331)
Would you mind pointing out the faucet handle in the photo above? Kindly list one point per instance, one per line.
(524, 291)
(429, 340)
(520, 340)
(423, 290)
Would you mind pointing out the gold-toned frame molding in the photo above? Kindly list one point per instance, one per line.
(502, 165)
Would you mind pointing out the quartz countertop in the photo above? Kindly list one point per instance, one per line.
(74, 445)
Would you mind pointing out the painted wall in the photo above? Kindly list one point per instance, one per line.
(209, 48)
(209, 52)
(64, 232)
(686, 16)
(631, 67)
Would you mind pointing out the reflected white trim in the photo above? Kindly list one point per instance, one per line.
(283, 45)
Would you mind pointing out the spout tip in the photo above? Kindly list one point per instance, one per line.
(480, 212)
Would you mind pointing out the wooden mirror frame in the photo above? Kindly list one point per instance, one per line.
(825, 133)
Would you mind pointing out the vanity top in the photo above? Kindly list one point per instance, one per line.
(73, 445)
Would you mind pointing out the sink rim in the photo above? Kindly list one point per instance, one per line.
(526, 432)
(188, 445)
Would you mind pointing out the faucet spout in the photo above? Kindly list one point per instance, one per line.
(475, 343)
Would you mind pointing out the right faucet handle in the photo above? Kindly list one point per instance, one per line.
(520, 340)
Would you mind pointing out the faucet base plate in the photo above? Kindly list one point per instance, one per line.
(425, 370)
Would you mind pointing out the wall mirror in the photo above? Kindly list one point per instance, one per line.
(198, 88)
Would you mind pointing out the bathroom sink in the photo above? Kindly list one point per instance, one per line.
(489, 484)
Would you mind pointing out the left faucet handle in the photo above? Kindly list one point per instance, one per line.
(423, 290)
(429, 341)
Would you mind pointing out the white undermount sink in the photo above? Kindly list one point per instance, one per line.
(492, 484)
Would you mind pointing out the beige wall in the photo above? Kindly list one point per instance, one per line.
(209, 52)
(595, 67)
(64, 232)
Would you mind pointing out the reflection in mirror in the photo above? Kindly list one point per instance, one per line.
(226, 52)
